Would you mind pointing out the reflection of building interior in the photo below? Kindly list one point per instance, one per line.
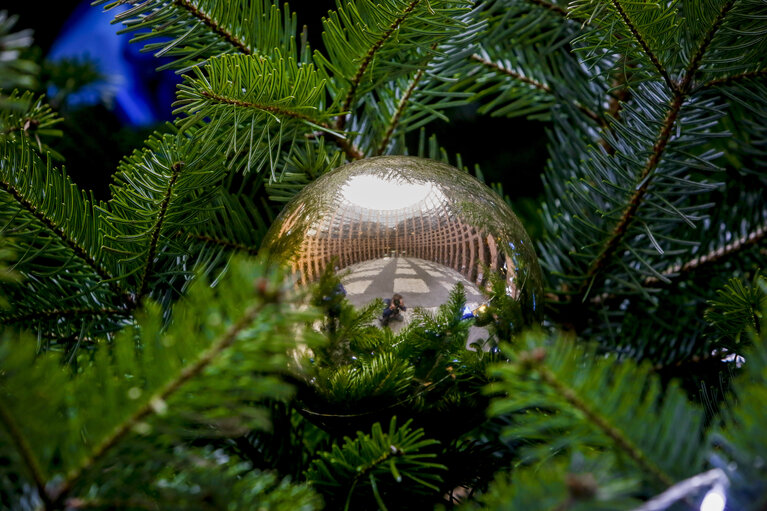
(421, 283)
(427, 228)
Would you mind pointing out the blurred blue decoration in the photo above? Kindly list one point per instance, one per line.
(141, 95)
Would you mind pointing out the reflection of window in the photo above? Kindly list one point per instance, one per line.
(375, 193)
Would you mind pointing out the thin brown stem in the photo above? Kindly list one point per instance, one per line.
(156, 230)
(680, 92)
(79, 251)
(695, 61)
(352, 152)
(367, 59)
(403, 102)
(620, 229)
(189, 372)
(624, 443)
(276, 110)
(25, 451)
(729, 80)
(215, 27)
(535, 84)
(644, 45)
(62, 313)
(714, 256)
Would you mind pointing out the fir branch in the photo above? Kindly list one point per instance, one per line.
(643, 44)
(352, 151)
(186, 374)
(729, 80)
(63, 314)
(272, 109)
(368, 58)
(211, 23)
(620, 229)
(714, 256)
(77, 249)
(393, 452)
(25, 451)
(695, 61)
(220, 242)
(624, 443)
(680, 92)
(155, 238)
(403, 102)
(535, 84)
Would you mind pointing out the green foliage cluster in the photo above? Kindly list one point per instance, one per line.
(145, 365)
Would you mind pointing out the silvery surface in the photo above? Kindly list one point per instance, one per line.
(403, 210)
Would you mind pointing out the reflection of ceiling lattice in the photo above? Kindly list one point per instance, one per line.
(427, 230)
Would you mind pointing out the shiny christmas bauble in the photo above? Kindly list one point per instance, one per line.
(411, 226)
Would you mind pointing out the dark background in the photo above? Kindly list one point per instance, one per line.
(510, 151)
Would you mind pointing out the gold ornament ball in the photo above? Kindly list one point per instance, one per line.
(408, 225)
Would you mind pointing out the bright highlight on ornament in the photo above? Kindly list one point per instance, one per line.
(374, 192)
(411, 226)
(714, 500)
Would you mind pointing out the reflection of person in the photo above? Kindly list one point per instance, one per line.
(393, 308)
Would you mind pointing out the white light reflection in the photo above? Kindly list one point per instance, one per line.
(714, 500)
(373, 192)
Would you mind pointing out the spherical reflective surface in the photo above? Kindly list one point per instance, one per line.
(406, 225)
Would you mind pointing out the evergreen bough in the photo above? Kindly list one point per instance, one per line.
(145, 365)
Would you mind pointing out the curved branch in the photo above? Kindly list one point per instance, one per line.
(680, 92)
(349, 148)
(189, 372)
(211, 24)
(535, 84)
(368, 58)
(152, 251)
(25, 451)
(643, 44)
(624, 443)
(403, 102)
(77, 249)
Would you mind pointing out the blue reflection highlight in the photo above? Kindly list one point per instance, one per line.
(140, 95)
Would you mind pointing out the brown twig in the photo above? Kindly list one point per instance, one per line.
(211, 24)
(645, 46)
(679, 93)
(156, 229)
(160, 396)
(401, 109)
(25, 451)
(350, 149)
(533, 83)
(367, 59)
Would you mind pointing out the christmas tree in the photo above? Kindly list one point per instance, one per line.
(151, 360)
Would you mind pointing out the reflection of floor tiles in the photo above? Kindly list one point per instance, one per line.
(368, 273)
(410, 286)
(357, 286)
(422, 284)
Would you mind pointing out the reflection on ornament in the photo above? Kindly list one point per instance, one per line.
(408, 225)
